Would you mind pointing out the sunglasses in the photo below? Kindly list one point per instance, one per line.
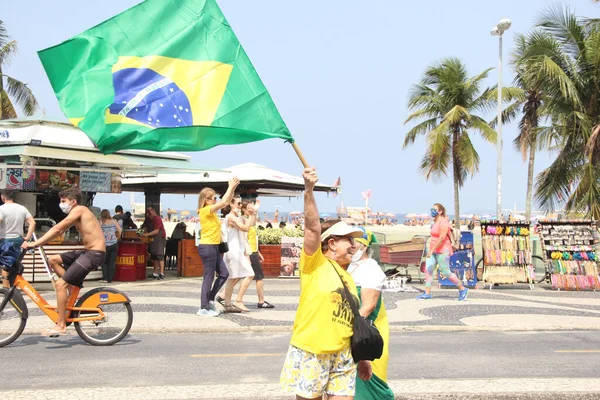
(350, 239)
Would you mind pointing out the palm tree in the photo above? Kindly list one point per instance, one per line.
(531, 136)
(571, 78)
(447, 98)
(9, 86)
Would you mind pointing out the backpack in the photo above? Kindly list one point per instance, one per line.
(455, 234)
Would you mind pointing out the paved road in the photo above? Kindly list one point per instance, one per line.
(217, 365)
(171, 305)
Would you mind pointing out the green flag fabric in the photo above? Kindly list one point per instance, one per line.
(163, 76)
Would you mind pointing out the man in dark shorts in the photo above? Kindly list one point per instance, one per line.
(156, 248)
(73, 266)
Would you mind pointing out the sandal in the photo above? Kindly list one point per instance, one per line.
(228, 308)
(265, 304)
(240, 306)
(53, 333)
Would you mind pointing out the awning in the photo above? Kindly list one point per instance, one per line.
(254, 178)
(88, 160)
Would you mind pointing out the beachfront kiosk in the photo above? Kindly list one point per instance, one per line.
(255, 181)
(39, 158)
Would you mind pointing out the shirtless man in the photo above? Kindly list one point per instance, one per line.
(73, 266)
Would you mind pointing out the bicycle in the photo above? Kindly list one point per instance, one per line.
(102, 316)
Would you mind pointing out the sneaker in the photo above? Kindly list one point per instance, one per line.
(423, 296)
(153, 276)
(266, 304)
(161, 277)
(220, 300)
(211, 306)
(207, 313)
(462, 294)
(102, 281)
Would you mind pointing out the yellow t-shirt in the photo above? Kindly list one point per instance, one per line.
(323, 323)
(211, 226)
(253, 239)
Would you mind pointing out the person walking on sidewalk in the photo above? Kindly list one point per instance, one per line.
(156, 247)
(369, 279)
(12, 219)
(237, 259)
(440, 250)
(208, 249)
(255, 259)
(319, 360)
(112, 232)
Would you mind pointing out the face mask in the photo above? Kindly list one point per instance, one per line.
(434, 212)
(65, 207)
(357, 256)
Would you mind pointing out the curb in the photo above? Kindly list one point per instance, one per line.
(395, 329)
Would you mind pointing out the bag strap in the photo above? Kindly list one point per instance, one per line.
(348, 294)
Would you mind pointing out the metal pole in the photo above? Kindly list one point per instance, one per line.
(499, 132)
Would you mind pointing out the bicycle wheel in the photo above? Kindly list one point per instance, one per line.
(12, 322)
(110, 330)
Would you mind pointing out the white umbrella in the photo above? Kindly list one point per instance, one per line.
(411, 215)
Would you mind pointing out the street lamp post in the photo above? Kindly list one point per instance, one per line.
(498, 30)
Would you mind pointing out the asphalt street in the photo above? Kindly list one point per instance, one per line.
(204, 360)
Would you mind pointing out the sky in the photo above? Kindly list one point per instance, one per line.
(340, 73)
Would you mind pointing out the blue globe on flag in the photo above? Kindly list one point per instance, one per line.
(150, 98)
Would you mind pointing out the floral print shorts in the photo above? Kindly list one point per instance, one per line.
(310, 375)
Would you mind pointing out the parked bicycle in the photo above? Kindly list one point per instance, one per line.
(102, 316)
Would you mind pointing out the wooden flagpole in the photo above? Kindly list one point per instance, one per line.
(299, 154)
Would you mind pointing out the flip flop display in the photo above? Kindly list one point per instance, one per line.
(506, 253)
(570, 254)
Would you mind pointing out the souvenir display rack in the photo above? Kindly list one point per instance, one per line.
(462, 263)
(570, 252)
(506, 253)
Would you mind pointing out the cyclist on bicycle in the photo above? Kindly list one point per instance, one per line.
(73, 266)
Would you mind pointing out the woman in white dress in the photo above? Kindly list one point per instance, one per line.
(237, 258)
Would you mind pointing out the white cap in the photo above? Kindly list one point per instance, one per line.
(342, 229)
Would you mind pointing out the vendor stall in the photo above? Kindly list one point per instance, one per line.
(506, 253)
(39, 158)
(570, 251)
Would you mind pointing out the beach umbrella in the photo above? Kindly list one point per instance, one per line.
(184, 213)
(411, 215)
(390, 215)
(296, 213)
(423, 216)
(519, 217)
(324, 215)
(486, 216)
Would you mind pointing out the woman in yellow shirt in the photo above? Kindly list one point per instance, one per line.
(319, 360)
(208, 249)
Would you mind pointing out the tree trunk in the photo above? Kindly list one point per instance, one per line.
(1, 91)
(456, 176)
(529, 182)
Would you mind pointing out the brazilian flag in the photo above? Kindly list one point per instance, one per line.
(163, 76)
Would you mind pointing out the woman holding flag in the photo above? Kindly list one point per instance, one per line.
(369, 280)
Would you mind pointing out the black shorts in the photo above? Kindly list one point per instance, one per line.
(259, 275)
(79, 263)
